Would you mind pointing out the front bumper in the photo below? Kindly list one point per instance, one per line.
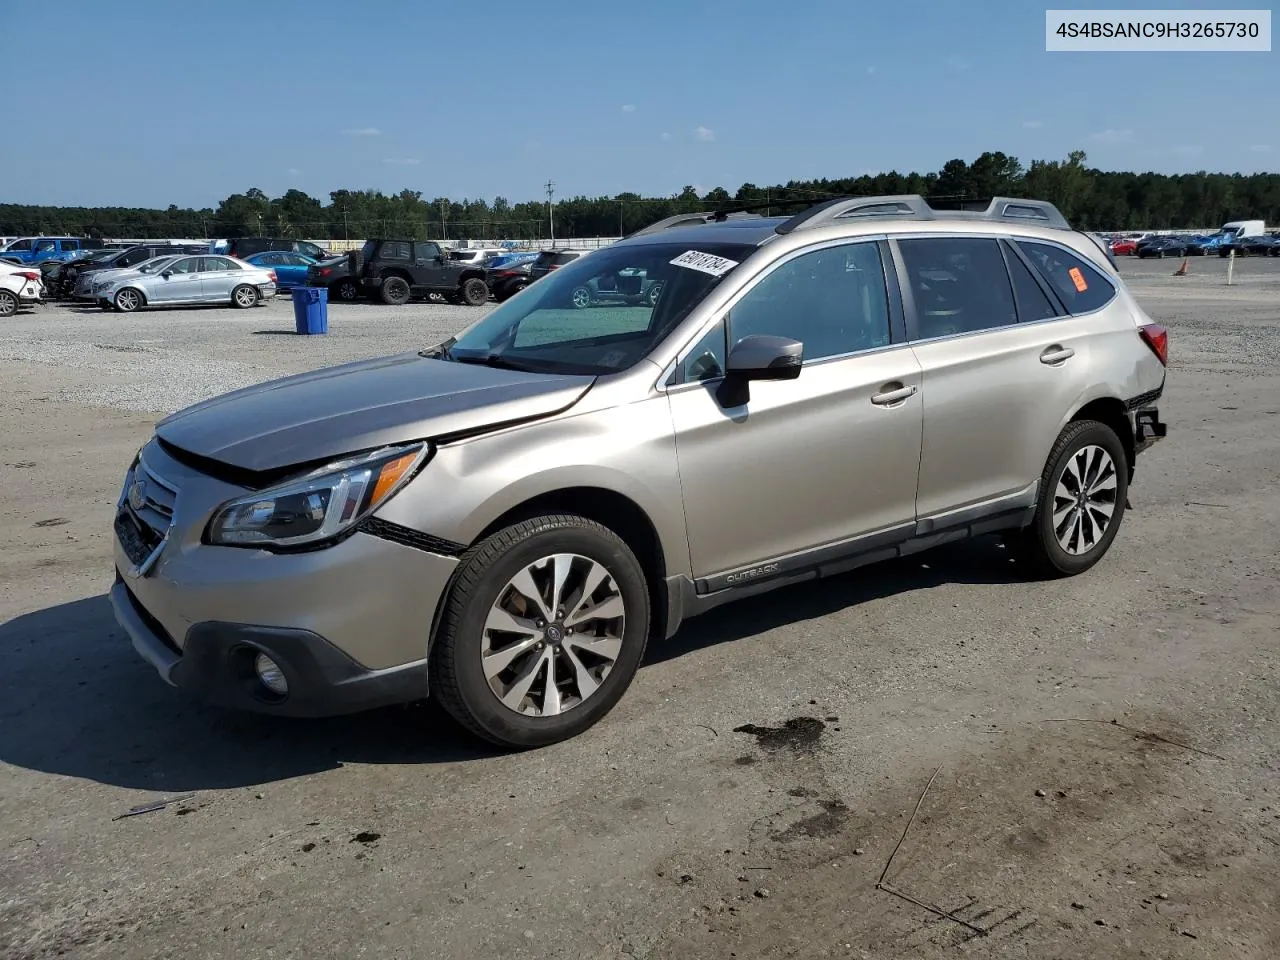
(216, 664)
(348, 624)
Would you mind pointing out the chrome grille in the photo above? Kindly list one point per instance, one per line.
(150, 501)
(151, 498)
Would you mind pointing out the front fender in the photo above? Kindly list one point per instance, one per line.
(627, 450)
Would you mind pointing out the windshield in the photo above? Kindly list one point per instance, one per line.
(602, 313)
(154, 264)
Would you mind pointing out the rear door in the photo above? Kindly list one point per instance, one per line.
(218, 276)
(1003, 363)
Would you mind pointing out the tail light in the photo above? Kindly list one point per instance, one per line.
(325, 271)
(1157, 338)
(29, 275)
(272, 275)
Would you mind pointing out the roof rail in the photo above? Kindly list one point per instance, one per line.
(1011, 208)
(914, 206)
(682, 219)
(841, 208)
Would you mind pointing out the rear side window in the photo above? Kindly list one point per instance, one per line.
(394, 250)
(563, 258)
(1033, 303)
(134, 256)
(959, 284)
(1079, 285)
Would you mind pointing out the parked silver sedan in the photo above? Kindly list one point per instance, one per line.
(189, 280)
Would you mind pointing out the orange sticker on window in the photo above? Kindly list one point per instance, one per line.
(1078, 279)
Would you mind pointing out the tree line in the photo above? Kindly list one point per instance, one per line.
(1091, 199)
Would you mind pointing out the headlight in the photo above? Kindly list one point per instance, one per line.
(318, 506)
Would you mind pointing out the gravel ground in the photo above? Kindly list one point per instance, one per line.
(746, 794)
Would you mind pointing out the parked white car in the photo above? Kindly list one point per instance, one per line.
(20, 286)
(192, 280)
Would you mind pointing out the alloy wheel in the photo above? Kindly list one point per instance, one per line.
(553, 634)
(1084, 500)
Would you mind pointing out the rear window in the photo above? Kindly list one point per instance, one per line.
(563, 258)
(1079, 284)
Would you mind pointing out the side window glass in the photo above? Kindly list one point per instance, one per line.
(705, 360)
(1081, 286)
(20, 245)
(1033, 304)
(189, 265)
(425, 252)
(832, 300)
(394, 250)
(44, 246)
(960, 285)
(137, 256)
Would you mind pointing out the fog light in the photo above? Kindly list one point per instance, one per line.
(271, 675)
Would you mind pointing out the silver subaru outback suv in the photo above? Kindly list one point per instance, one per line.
(507, 518)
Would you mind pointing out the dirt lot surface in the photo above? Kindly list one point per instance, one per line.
(745, 796)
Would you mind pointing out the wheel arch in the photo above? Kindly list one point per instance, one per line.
(1111, 411)
(607, 507)
(386, 273)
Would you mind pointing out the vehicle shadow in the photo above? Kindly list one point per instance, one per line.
(76, 701)
(980, 561)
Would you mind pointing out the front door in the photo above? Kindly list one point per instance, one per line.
(807, 463)
(428, 271)
(178, 281)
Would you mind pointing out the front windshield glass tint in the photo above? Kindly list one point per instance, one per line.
(602, 313)
(151, 266)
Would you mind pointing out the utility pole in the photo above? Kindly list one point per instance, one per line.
(620, 218)
(444, 233)
(551, 217)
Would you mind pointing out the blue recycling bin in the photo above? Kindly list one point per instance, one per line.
(311, 309)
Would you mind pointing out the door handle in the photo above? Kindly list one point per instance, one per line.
(892, 395)
(1056, 355)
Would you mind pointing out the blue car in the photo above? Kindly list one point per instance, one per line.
(290, 268)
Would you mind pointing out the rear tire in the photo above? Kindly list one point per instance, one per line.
(347, 291)
(472, 667)
(8, 303)
(395, 291)
(1083, 492)
(475, 292)
(244, 296)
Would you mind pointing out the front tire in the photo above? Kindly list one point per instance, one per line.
(544, 628)
(1083, 493)
(244, 296)
(475, 292)
(395, 291)
(128, 300)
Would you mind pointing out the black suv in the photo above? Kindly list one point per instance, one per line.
(396, 270)
(247, 246)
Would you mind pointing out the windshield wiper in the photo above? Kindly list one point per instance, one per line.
(488, 360)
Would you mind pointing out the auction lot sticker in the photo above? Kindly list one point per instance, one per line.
(705, 262)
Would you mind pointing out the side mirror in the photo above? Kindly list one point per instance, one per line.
(167, 274)
(758, 358)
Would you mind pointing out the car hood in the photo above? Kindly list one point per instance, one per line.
(359, 406)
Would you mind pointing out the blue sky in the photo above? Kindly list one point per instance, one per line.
(147, 104)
